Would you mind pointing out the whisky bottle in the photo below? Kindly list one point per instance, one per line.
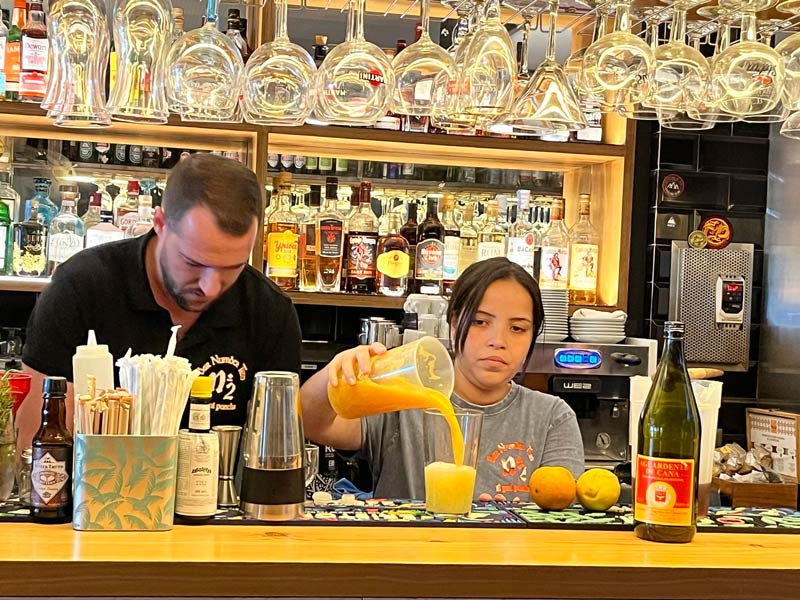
(409, 231)
(51, 477)
(584, 248)
(330, 239)
(492, 237)
(452, 244)
(666, 476)
(555, 250)
(468, 241)
(362, 244)
(308, 241)
(282, 238)
(429, 262)
(393, 259)
(33, 56)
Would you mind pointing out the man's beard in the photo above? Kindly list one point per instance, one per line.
(173, 291)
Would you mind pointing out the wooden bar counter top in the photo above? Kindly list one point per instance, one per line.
(401, 562)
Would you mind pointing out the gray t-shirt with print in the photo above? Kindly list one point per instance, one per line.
(525, 430)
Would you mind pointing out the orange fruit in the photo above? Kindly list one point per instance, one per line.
(552, 488)
(598, 489)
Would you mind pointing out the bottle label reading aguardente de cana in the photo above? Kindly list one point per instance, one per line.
(665, 492)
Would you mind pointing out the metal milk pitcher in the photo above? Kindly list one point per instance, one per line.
(273, 481)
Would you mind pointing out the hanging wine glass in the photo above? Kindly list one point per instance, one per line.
(53, 91)
(548, 103)
(621, 62)
(279, 79)
(749, 70)
(80, 49)
(205, 72)
(354, 82)
(653, 17)
(767, 28)
(789, 50)
(591, 95)
(142, 30)
(489, 71)
(422, 72)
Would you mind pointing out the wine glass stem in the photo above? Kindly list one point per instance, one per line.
(358, 33)
(281, 11)
(678, 31)
(526, 35)
(551, 35)
(749, 29)
(653, 29)
(622, 21)
(723, 37)
(599, 24)
(211, 12)
(425, 17)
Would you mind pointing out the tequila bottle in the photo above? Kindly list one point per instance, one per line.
(492, 237)
(66, 234)
(555, 250)
(584, 250)
(362, 244)
(330, 240)
(282, 239)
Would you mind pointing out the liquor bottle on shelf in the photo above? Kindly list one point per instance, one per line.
(14, 49)
(66, 235)
(151, 157)
(286, 164)
(126, 208)
(523, 240)
(409, 231)
(325, 165)
(429, 261)
(46, 210)
(492, 236)
(273, 160)
(341, 167)
(393, 260)
(452, 244)
(144, 222)
(307, 246)
(86, 152)
(103, 232)
(29, 258)
(320, 48)
(5, 239)
(330, 240)
(9, 196)
(33, 56)
(555, 250)
(136, 155)
(51, 476)
(361, 244)
(666, 466)
(3, 42)
(312, 165)
(584, 249)
(407, 171)
(502, 211)
(282, 241)
(299, 164)
(92, 215)
(103, 153)
(468, 241)
(234, 32)
(119, 154)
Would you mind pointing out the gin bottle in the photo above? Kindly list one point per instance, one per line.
(66, 235)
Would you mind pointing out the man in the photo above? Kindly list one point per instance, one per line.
(190, 270)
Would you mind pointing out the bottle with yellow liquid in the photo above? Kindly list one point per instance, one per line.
(665, 485)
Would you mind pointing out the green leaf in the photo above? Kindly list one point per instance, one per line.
(158, 518)
(136, 475)
(91, 492)
(82, 509)
(105, 460)
(151, 482)
(109, 497)
(122, 454)
(106, 478)
(166, 484)
(107, 512)
(140, 506)
(94, 472)
(166, 446)
(135, 522)
(94, 525)
(118, 483)
(166, 474)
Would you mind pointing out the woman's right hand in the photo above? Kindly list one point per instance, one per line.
(346, 363)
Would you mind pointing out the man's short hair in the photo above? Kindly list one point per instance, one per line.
(225, 186)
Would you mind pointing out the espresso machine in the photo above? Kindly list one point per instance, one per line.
(594, 379)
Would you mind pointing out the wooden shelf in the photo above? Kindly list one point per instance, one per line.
(9, 283)
(354, 300)
(98, 170)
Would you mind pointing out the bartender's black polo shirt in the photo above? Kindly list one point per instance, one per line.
(252, 327)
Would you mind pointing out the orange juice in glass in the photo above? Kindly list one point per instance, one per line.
(450, 478)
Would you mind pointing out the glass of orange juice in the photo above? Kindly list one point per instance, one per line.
(450, 482)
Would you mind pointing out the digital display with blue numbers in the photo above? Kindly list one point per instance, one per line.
(577, 358)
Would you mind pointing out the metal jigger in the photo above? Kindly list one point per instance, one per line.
(228, 449)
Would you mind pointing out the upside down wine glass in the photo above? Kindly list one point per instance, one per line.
(592, 96)
(789, 49)
(279, 79)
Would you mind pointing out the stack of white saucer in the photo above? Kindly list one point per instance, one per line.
(598, 327)
(556, 315)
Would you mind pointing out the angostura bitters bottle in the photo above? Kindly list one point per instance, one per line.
(666, 475)
(51, 477)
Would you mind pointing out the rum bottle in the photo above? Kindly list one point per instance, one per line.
(554, 270)
(492, 237)
(523, 240)
(409, 231)
(452, 244)
(330, 240)
(282, 238)
(393, 260)
(468, 241)
(308, 241)
(666, 467)
(362, 244)
(429, 262)
(584, 248)
(51, 477)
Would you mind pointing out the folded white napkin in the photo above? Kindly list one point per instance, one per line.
(589, 313)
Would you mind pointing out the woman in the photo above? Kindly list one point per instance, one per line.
(495, 314)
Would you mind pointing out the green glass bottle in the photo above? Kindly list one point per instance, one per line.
(666, 468)
(5, 239)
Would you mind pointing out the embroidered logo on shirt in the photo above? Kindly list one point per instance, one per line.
(514, 459)
(225, 372)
